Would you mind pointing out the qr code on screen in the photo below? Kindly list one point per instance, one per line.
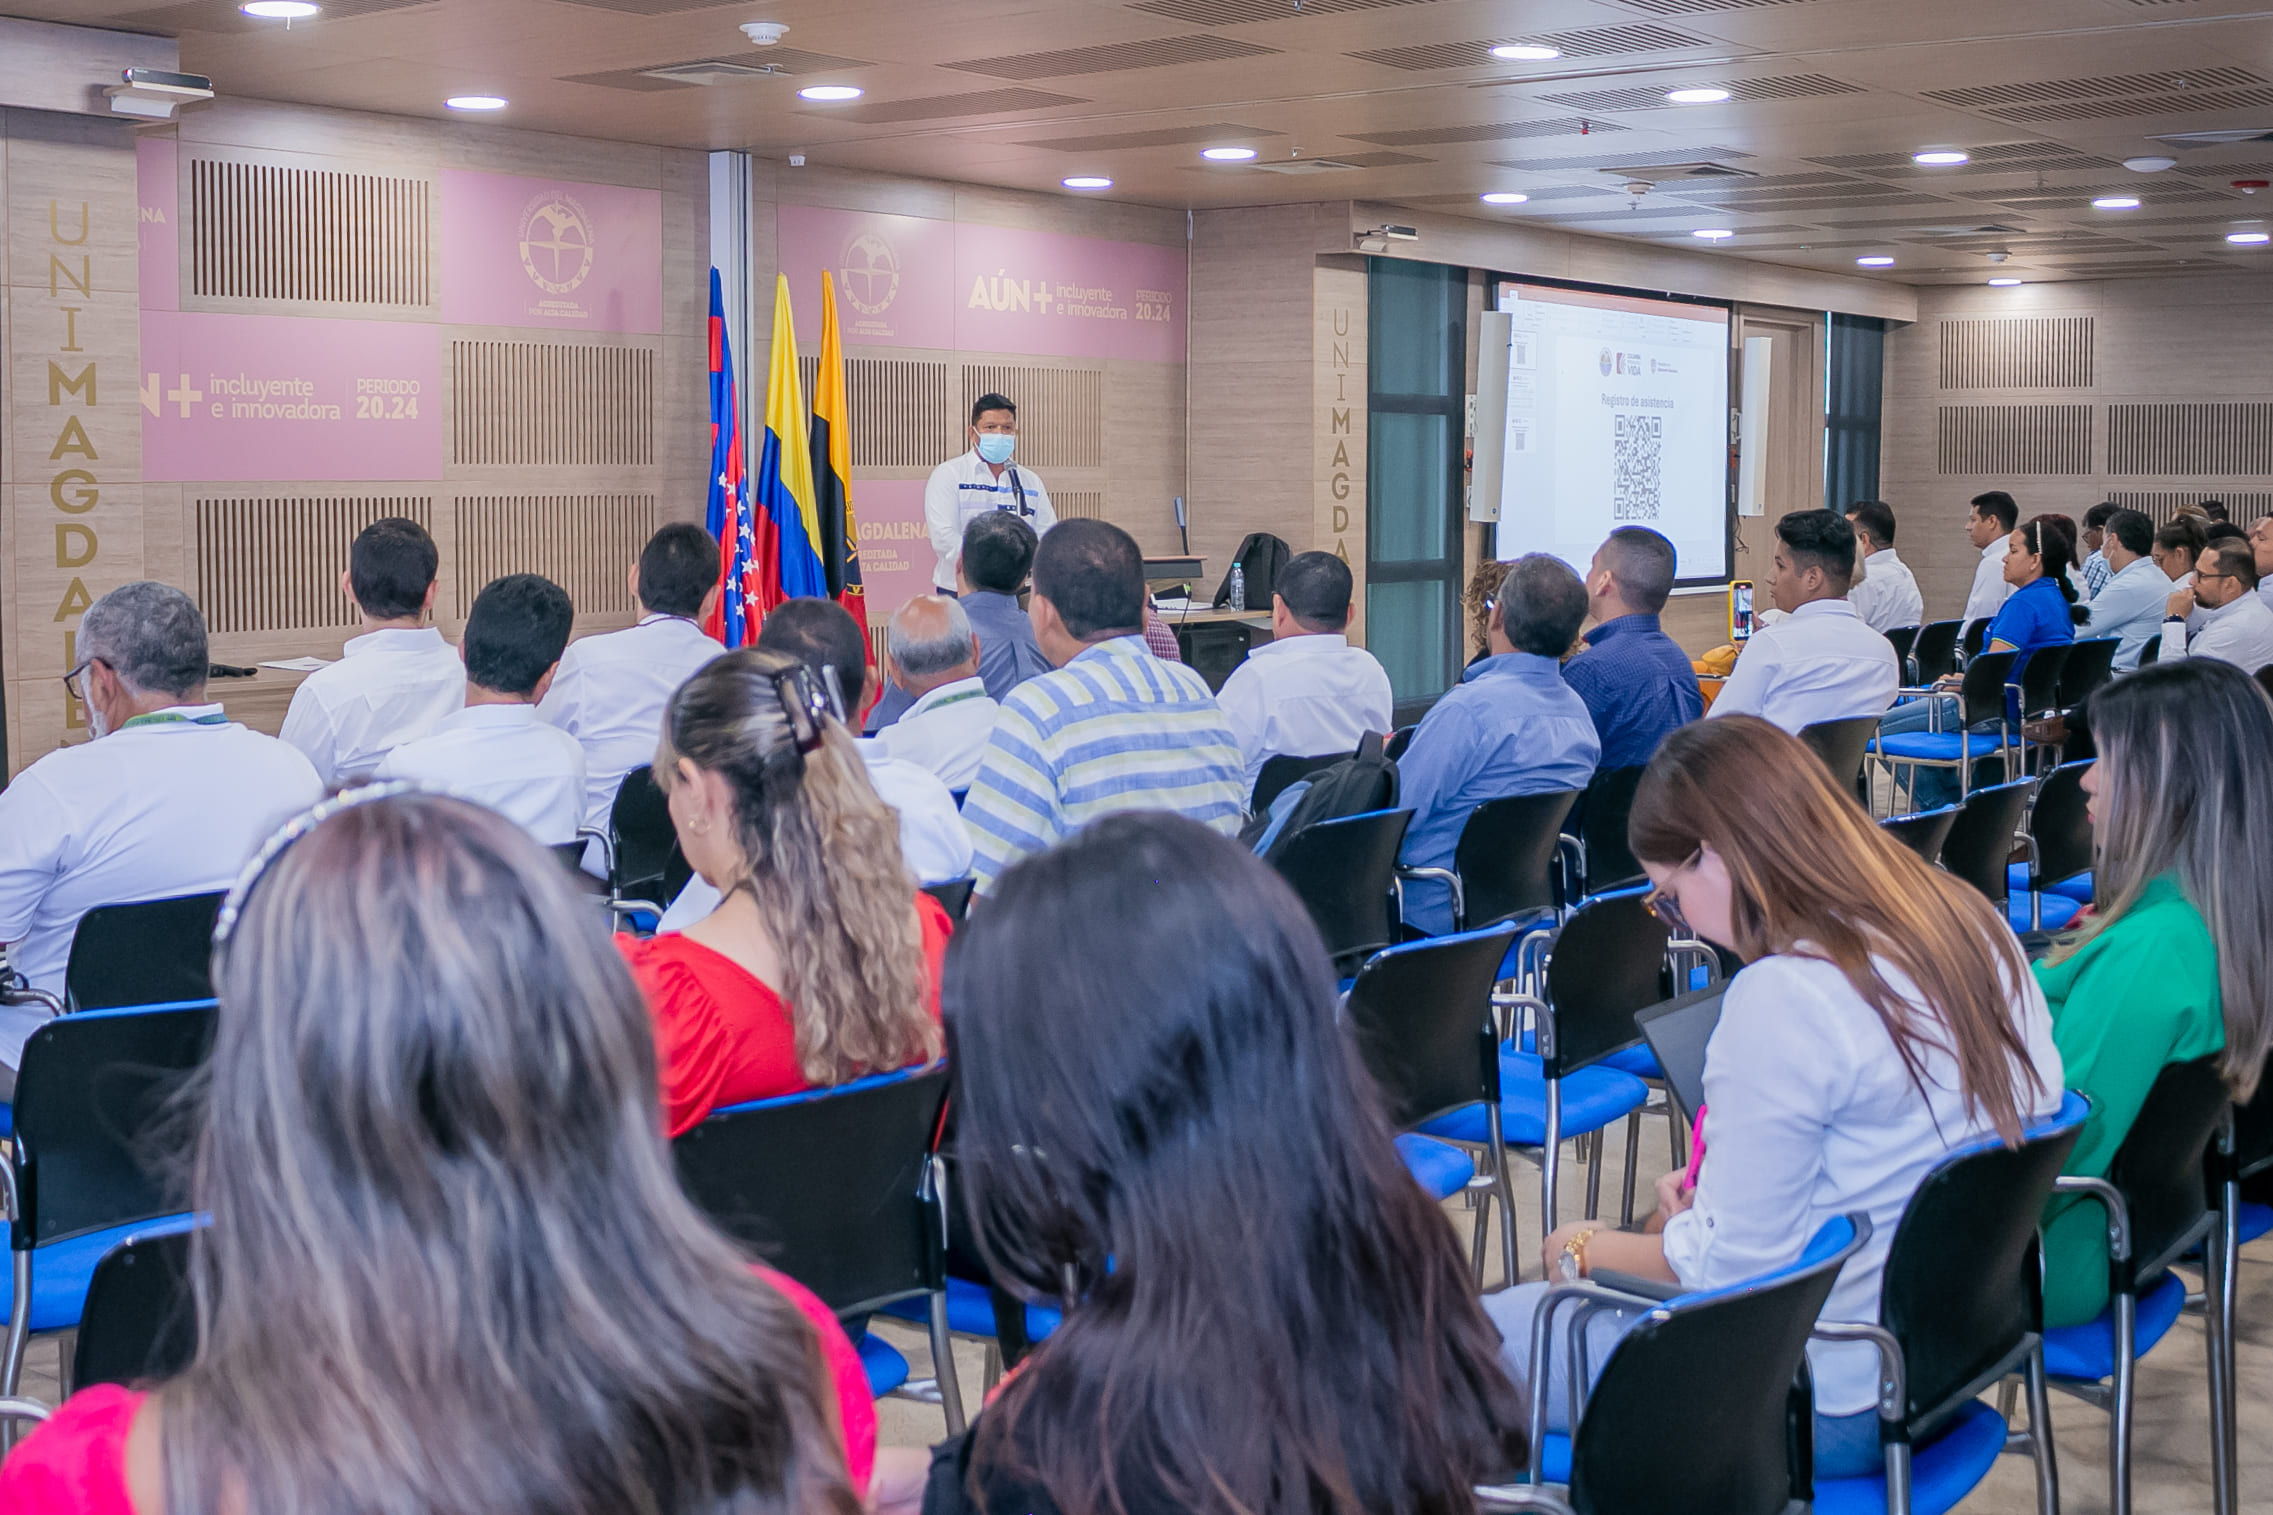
(1639, 443)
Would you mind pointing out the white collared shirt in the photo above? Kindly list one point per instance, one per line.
(387, 687)
(945, 732)
(1989, 591)
(504, 757)
(965, 487)
(2239, 631)
(2129, 607)
(609, 695)
(1820, 663)
(1887, 595)
(1304, 696)
(157, 808)
(933, 843)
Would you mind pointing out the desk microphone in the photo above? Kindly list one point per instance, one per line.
(1182, 535)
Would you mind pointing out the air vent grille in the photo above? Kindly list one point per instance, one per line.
(264, 233)
(984, 102)
(2191, 437)
(1497, 131)
(580, 542)
(1791, 87)
(1116, 57)
(2144, 105)
(552, 403)
(223, 16)
(1699, 7)
(1980, 96)
(2006, 440)
(1998, 158)
(2032, 352)
(781, 60)
(1173, 136)
(1666, 157)
(1592, 42)
(273, 563)
(1242, 12)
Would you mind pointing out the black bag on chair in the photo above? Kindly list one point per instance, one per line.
(1365, 780)
(1260, 557)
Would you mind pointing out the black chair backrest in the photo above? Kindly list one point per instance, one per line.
(1678, 1032)
(139, 1323)
(1934, 654)
(1421, 1016)
(2040, 680)
(1343, 870)
(1841, 745)
(1506, 855)
(1959, 1325)
(2090, 664)
(828, 1186)
(1603, 812)
(648, 861)
(151, 952)
(1282, 770)
(2150, 650)
(2160, 1165)
(1923, 833)
(1904, 639)
(1976, 637)
(2253, 1128)
(954, 896)
(2058, 823)
(96, 1145)
(1651, 1441)
(1980, 843)
(1607, 962)
(1982, 694)
(1399, 740)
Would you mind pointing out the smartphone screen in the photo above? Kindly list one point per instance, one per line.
(1739, 610)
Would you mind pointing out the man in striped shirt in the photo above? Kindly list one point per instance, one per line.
(1110, 728)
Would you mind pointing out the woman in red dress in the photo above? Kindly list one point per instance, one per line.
(821, 963)
(449, 1267)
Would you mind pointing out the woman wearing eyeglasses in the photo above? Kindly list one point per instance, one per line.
(821, 962)
(1884, 1015)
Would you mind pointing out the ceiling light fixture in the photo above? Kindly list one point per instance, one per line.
(1503, 197)
(476, 102)
(2116, 202)
(2150, 163)
(2249, 238)
(2003, 283)
(1227, 154)
(280, 10)
(1875, 260)
(826, 93)
(1703, 95)
(1526, 52)
(1714, 233)
(1087, 181)
(1940, 157)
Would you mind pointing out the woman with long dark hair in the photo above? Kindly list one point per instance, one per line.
(449, 1267)
(1163, 1129)
(1884, 1015)
(2175, 961)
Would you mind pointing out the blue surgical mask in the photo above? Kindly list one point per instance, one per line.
(995, 446)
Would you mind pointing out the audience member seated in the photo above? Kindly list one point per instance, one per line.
(2178, 548)
(1820, 663)
(2261, 547)
(1476, 608)
(1885, 593)
(1307, 692)
(1884, 1015)
(932, 653)
(2097, 570)
(496, 751)
(998, 553)
(448, 1265)
(934, 846)
(2235, 624)
(1159, 636)
(171, 796)
(1510, 726)
(395, 680)
(610, 689)
(2174, 962)
(1636, 682)
(2130, 604)
(820, 961)
(1989, 523)
(1110, 728)
(1264, 1312)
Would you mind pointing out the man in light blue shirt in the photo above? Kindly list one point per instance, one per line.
(1511, 726)
(2097, 570)
(2129, 606)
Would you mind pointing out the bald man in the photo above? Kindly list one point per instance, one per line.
(934, 655)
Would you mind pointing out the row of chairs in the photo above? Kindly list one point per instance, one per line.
(1995, 711)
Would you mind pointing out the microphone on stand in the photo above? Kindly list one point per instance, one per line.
(1182, 535)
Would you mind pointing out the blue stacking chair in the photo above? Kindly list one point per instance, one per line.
(2058, 840)
(87, 1168)
(1984, 730)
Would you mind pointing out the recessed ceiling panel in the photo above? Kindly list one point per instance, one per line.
(1244, 12)
(1115, 57)
(783, 60)
(1594, 42)
(1982, 96)
(1498, 131)
(1665, 158)
(1791, 87)
(983, 102)
(1699, 7)
(1167, 136)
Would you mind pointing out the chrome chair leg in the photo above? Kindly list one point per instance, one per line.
(2228, 1300)
(1506, 1192)
(2119, 1408)
(2216, 1326)
(2040, 1436)
(19, 1325)
(1897, 1478)
(1633, 1152)
(1594, 1149)
(943, 1365)
(1550, 1155)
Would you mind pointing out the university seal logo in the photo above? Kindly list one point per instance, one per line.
(556, 243)
(871, 274)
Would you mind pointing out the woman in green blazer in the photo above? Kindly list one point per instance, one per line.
(2176, 963)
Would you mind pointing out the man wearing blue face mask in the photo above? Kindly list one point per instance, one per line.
(981, 480)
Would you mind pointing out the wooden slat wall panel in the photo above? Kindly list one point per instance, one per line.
(273, 563)
(2014, 439)
(260, 232)
(1061, 411)
(2029, 352)
(536, 403)
(2242, 506)
(581, 542)
(2184, 438)
(1086, 503)
(905, 413)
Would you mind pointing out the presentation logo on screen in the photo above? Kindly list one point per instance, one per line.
(1608, 358)
(556, 243)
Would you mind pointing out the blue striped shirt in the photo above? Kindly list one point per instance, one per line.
(1115, 729)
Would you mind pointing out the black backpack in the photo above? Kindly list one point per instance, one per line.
(1259, 558)
(1365, 780)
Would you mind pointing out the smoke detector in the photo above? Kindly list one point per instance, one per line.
(764, 33)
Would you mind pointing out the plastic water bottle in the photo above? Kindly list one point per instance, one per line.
(1238, 587)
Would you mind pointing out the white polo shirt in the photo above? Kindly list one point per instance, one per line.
(504, 757)
(387, 687)
(609, 695)
(1989, 590)
(945, 732)
(169, 805)
(933, 843)
(1820, 663)
(965, 487)
(1887, 595)
(1304, 696)
(2240, 632)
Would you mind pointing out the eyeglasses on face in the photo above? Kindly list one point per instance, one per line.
(74, 682)
(1663, 903)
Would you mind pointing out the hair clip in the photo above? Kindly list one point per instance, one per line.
(232, 907)
(805, 704)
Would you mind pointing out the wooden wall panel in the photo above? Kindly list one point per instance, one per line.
(2192, 438)
(583, 543)
(559, 402)
(2039, 352)
(264, 231)
(2015, 439)
(267, 563)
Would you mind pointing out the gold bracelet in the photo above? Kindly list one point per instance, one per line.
(1572, 1264)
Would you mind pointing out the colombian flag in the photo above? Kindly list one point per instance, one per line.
(786, 562)
(832, 469)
